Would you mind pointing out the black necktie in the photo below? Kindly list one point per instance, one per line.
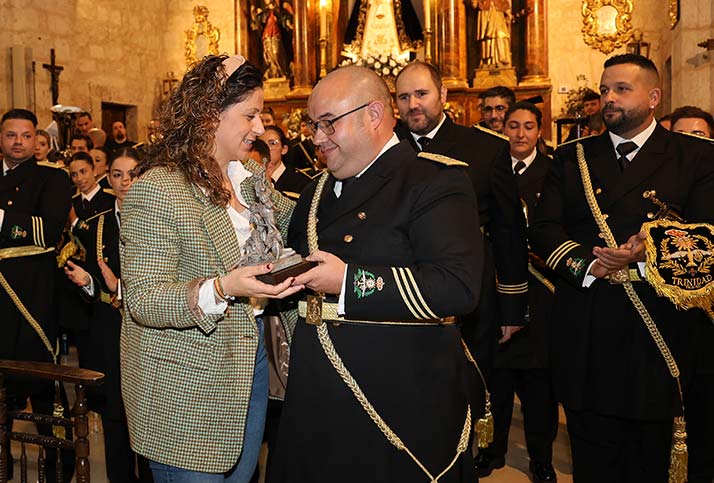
(518, 167)
(424, 142)
(345, 184)
(623, 149)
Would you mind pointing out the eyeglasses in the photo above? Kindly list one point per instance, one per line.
(326, 125)
(493, 108)
(272, 143)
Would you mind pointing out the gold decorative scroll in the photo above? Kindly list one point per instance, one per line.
(607, 23)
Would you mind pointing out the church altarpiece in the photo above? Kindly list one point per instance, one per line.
(476, 44)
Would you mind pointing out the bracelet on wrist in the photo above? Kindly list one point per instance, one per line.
(218, 289)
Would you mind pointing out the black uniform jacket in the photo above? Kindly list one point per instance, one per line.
(603, 358)
(100, 237)
(504, 293)
(291, 182)
(102, 201)
(409, 225)
(36, 201)
(528, 348)
(301, 154)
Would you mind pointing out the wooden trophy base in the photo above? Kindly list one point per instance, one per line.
(285, 268)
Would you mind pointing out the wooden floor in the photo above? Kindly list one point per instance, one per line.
(515, 471)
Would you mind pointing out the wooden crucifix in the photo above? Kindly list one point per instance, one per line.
(55, 71)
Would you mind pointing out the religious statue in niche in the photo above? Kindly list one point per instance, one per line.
(275, 24)
(202, 38)
(493, 32)
(382, 35)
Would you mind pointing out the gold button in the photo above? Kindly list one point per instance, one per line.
(598, 191)
(17, 188)
(362, 215)
(9, 203)
(348, 238)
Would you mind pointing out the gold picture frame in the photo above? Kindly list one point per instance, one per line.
(202, 38)
(607, 24)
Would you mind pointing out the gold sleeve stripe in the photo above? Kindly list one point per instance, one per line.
(401, 292)
(35, 240)
(559, 252)
(410, 294)
(38, 233)
(426, 308)
(512, 289)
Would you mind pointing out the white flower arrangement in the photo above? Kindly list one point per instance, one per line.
(383, 65)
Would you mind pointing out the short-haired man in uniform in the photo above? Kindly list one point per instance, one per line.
(501, 312)
(34, 203)
(619, 396)
(397, 239)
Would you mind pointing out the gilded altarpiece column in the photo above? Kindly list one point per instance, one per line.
(536, 44)
(451, 42)
(306, 47)
(242, 32)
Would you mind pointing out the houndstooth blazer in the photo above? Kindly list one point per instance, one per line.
(186, 376)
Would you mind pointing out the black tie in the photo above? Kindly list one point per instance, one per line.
(345, 184)
(518, 167)
(623, 149)
(424, 142)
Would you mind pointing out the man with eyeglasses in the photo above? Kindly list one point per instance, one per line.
(397, 239)
(494, 104)
(501, 311)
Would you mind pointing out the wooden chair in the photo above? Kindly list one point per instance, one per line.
(79, 423)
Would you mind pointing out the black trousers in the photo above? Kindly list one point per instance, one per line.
(699, 415)
(616, 450)
(540, 411)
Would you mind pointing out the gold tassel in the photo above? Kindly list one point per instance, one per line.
(679, 455)
(58, 431)
(484, 426)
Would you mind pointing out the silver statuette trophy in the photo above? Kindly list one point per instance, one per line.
(265, 244)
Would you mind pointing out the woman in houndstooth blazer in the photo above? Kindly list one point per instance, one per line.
(194, 372)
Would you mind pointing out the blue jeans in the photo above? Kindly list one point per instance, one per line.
(252, 440)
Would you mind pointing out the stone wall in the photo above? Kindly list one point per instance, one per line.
(111, 51)
(569, 56)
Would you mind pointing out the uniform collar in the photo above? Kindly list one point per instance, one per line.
(527, 160)
(640, 139)
(431, 133)
(92, 193)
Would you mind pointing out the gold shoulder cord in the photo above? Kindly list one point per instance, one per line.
(58, 412)
(541, 278)
(679, 456)
(336, 361)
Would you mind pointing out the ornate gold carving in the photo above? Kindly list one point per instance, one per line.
(201, 32)
(607, 23)
(673, 12)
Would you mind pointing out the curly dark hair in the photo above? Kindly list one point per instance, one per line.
(190, 118)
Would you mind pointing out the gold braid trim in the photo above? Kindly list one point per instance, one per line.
(484, 426)
(28, 316)
(677, 469)
(100, 238)
(336, 361)
(541, 278)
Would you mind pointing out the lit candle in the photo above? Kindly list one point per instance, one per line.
(427, 15)
(323, 19)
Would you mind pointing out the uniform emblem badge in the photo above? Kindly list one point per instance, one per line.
(575, 265)
(680, 261)
(17, 232)
(365, 283)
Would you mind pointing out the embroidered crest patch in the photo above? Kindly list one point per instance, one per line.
(365, 283)
(17, 232)
(575, 265)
